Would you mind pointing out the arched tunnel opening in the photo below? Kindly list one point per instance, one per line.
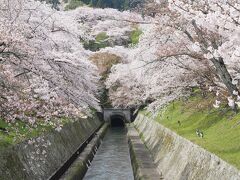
(117, 121)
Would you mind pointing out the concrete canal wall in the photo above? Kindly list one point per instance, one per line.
(179, 159)
(43, 156)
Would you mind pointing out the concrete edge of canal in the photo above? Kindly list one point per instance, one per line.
(142, 163)
(80, 166)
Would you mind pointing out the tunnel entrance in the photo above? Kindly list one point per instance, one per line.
(117, 121)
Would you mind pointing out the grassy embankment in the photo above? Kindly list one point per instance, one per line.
(221, 127)
(19, 131)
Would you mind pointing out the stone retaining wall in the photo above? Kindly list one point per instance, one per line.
(43, 156)
(180, 159)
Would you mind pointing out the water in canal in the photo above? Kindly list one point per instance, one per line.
(112, 160)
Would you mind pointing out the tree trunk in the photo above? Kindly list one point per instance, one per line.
(225, 77)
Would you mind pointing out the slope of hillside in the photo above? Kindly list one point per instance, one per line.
(220, 127)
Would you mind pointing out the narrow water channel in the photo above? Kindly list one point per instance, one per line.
(112, 160)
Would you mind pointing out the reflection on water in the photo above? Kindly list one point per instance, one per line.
(112, 161)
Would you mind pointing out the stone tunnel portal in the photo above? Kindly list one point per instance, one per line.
(117, 117)
(117, 121)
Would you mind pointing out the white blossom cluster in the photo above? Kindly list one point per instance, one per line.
(44, 70)
(219, 22)
(189, 43)
(145, 78)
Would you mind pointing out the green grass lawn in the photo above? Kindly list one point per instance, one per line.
(221, 127)
(19, 131)
(97, 44)
(135, 35)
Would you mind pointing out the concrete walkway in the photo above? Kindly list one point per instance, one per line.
(142, 162)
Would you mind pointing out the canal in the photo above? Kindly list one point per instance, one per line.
(112, 160)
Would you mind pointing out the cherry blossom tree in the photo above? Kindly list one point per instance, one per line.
(202, 31)
(44, 70)
(142, 78)
(201, 37)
